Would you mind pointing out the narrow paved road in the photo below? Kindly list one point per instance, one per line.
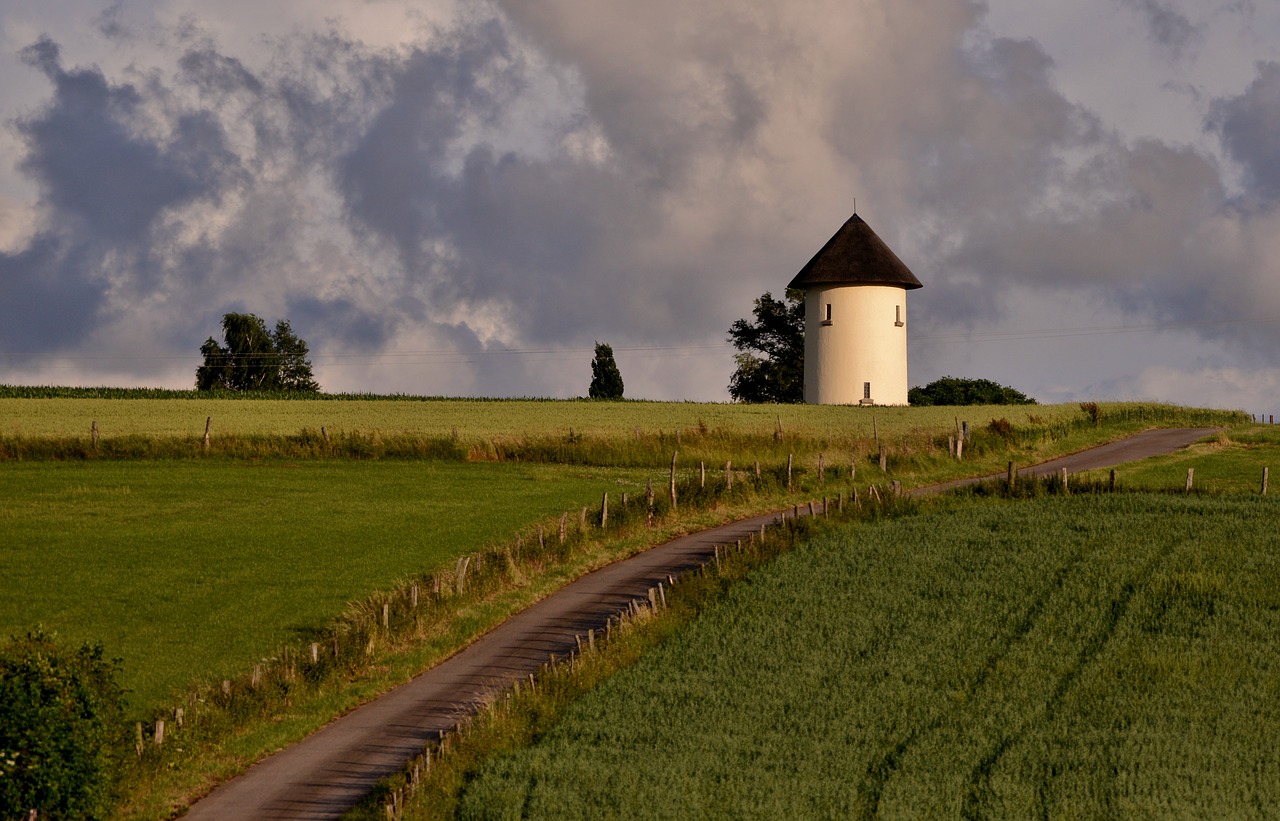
(330, 771)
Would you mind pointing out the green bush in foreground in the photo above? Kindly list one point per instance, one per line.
(60, 729)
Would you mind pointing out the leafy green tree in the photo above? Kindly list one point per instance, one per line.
(606, 379)
(62, 729)
(771, 359)
(252, 358)
(295, 368)
(951, 390)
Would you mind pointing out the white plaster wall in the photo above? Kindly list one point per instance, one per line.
(862, 344)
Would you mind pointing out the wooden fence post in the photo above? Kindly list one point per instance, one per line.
(1064, 479)
(1191, 477)
(960, 447)
(875, 430)
(1266, 475)
(93, 430)
(789, 458)
(604, 511)
(702, 469)
(673, 480)
(564, 520)
(1013, 475)
(208, 423)
(728, 475)
(884, 461)
(1111, 485)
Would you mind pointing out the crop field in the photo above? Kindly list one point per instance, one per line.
(188, 568)
(1113, 656)
(486, 420)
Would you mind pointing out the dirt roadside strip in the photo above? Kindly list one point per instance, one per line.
(327, 773)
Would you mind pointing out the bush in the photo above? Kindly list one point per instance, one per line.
(61, 729)
(950, 390)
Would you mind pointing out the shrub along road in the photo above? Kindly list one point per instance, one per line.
(329, 772)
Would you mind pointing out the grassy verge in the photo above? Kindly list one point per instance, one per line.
(1098, 655)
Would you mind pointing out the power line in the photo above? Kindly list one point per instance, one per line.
(1056, 333)
(445, 356)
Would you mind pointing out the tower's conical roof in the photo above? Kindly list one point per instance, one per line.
(855, 256)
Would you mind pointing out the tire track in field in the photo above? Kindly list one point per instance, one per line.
(979, 783)
(878, 775)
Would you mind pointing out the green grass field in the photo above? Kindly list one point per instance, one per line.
(487, 420)
(1095, 656)
(188, 569)
(1232, 463)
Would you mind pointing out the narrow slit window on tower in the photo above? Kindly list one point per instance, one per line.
(866, 390)
(826, 320)
(897, 316)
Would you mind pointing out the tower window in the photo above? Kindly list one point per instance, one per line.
(897, 316)
(866, 390)
(827, 315)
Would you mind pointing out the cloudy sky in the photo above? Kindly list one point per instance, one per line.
(459, 198)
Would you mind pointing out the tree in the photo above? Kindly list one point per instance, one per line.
(62, 729)
(295, 368)
(252, 358)
(777, 334)
(951, 390)
(606, 379)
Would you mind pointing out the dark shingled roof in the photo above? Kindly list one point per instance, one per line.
(855, 256)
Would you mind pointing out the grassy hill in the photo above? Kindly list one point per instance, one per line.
(216, 563)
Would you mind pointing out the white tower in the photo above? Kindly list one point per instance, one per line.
(855, 320)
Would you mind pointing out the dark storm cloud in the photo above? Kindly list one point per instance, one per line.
(102, 188)
(1168, 28)
(90, 166)
(47, 304)
(1249, 126)
(214, 73)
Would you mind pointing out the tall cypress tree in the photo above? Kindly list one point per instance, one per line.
(606, 380)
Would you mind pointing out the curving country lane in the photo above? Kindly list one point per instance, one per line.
(327, 773)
